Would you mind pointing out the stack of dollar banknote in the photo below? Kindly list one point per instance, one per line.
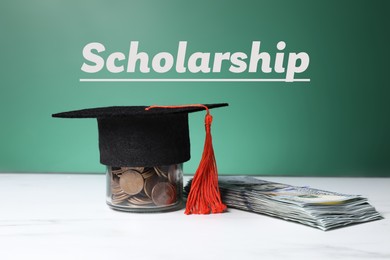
(316, 208)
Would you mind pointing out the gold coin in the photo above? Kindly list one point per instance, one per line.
(149, 184)
(115, 188)
(129, 170)
(119, 198)
(131, 182)
(163, 193)
(148, 172)
(137, 169)
(139, 200)
(161, 172)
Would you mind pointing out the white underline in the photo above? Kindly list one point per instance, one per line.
(193, 80)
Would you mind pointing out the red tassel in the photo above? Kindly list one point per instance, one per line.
(204, 196)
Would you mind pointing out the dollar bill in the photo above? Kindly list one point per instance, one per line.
(309, 206)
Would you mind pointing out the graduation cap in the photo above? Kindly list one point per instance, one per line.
(157, 135)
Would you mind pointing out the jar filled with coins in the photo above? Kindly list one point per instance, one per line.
(145, 189)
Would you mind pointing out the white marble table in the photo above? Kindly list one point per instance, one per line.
(64, 216)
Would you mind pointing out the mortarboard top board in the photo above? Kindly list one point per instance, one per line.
(134, 136)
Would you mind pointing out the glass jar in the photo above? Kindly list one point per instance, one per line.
(145, 189)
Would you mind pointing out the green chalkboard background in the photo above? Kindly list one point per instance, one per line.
(336, 125)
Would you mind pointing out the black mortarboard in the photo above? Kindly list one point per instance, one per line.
(133, 136)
